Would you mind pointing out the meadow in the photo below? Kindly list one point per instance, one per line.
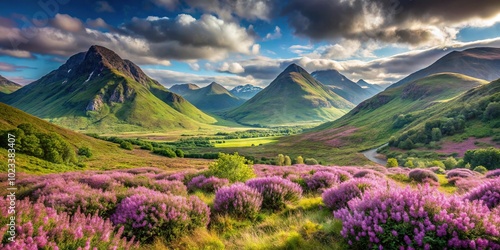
(235, 205)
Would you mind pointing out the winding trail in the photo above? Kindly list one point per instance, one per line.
(372, 155)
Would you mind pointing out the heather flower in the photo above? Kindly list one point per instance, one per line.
(321, 180)
(489, 193)
(160, 215)
(170, 187)
(337, 197)
(493, 173)
(209, 184)
(367, 173)
(459, 172)
(421, 175)
(276, 191)
(238, 200)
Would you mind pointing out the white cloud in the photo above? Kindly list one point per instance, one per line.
(233, 67)
(275, 35)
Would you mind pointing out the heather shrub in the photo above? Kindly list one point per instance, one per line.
(422, 175)
(489, 193)
(170, 187)
(368, 173)
(232, 167)
(99, 181)
(210, 184)
(337, 197)
(493, 174)
(238, 200)
(321, 180)
(437, 170)
(148, 216)
(459, 172)
(276, 191)
(41, 227)
(417, 219)
(480, 169)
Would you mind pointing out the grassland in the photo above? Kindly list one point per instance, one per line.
(246, 142)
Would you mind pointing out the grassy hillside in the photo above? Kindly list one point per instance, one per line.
(7, 86)
(342, 86)
(213, 97)
(294, 97)
(104, 94)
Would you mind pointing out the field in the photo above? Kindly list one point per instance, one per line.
(246, 142)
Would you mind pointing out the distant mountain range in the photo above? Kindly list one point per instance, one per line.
(7, 86)
(213, 97)
(293, 97)
(482, 63)
(98, 91)
(245, 92)
(344, 87)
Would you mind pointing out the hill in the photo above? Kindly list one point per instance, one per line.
(212, 98)
(387, 114)
(7, 86)
(294, 97)
(373, 89)
(98, 91)
(245, 92)
(342, 85)
(482, 63)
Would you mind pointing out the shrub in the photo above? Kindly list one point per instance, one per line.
(238, 200)
(179, 153)
(487, 157)
(170, 187)
(459, 172)
(489, 193)
(493, 174)
(321, 180)
(147, 146)
(337, 197)
(85, 151)
(209, 184)
(417, 219)
(159, 215)
(368, 173)
(167, 152)
(422, 175)
(392, 163)
(480, 169)
(126, 145)
(232, 167)
(299, 160)
(450, 163)
(437, 170)
(310, 161)
(276, 191)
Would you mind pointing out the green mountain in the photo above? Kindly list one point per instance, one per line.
(213, 97)
(387, 114)
(294, 97)
(7, 86)
(98, 91)
(482, 63)
(245, 91)
(342, 85)
(373, 89)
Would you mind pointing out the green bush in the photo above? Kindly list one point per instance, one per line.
(299, 160)
(311, 161)
(179, 153)
(168, 152)
(85, 151)
(392, 163)
(487, 157)
(450, 163)
(232, 167)
(481, 169)
(126, 145)
(147, 146)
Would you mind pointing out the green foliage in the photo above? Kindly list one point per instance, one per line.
(147, 146)
(168, 152)
(311, 161)
(232, 167)
(450, 163)
(126, 145)
(409, 164)
(492, 111)
(299, 160)
(288, 161)
(85, 151)
(392, 163)
(436, 134)
(402, 120)
(179, 153)
(481, 169)
(280, 160)
(436, 163)
(488, 157)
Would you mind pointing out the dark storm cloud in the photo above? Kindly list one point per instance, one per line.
(402, 21)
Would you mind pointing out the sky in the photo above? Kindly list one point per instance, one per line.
(236, 42)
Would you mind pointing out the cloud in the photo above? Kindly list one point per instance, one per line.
(169, 78)
(154, 40)
(194, 66)
(103, 6)
(234, 68)
(229, 9)
(300, 49)
(390, 21)
(7, 67)
(167, 4)
(275, 35)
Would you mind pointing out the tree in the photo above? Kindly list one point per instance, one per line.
(288, 161)
(299, 160)
(492, 111)
(392, 163)
(436, 134)
(232, 167)
(280, 160)
(85, 151)
(450, 163)
(487, 157)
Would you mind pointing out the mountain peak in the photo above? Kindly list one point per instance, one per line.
(294, 68)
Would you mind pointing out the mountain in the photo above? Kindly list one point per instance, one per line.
(387, 114)
(482, 63)
(245, 91)
(7, 86)
(342, 85)
(183, 89)
(213, 97)
(294, 97)
(371, 88)
(98, 91)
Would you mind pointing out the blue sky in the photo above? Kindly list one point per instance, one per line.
(237, 42)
